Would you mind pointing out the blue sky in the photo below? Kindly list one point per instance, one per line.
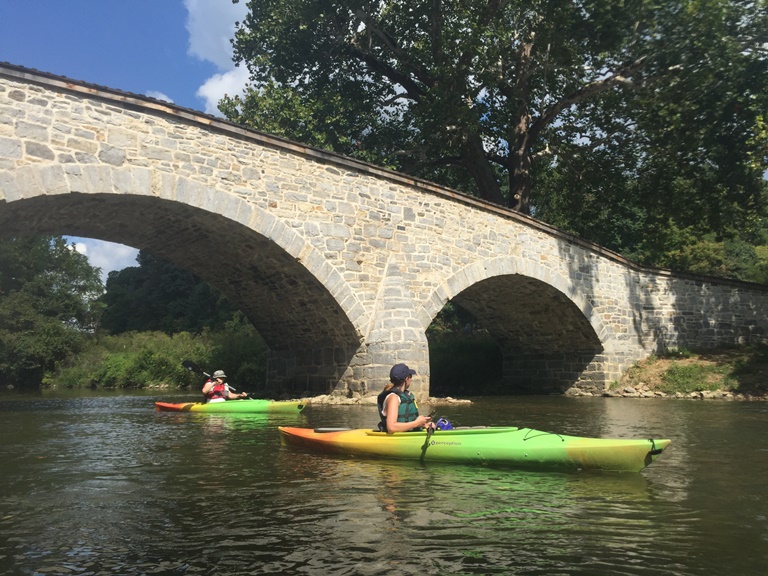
(175, 50)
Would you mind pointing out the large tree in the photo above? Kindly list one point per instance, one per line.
(673, 174)
(48, 303)
(157, 295)
(484, 95)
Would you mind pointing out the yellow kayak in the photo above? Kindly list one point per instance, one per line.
(519, 447)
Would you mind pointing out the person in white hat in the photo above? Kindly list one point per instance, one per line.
(216, 389)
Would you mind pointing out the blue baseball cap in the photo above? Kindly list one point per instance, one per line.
(401, 372)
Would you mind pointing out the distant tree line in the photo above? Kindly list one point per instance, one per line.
(158, 296)
(60, 327)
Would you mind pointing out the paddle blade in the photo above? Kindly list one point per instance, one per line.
(191, 366)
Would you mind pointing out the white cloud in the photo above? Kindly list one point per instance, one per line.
(158, 96)
(217, 86)
(211, 26)
(105, 255)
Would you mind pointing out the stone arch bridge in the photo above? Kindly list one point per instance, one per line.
(341, 265)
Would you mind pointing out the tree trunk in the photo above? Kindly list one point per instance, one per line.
(520, 180)
(519, 173)
(475, 162)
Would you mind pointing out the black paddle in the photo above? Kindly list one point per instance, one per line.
(192, 367)
(430, 431)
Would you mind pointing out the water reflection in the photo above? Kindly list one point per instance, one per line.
(98, 486)
(456, 514)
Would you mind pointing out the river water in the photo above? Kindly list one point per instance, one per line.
(105, 485)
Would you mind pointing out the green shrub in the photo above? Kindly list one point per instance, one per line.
(689, 378)
(153, 360)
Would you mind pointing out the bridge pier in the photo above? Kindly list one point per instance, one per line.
(375, 360)
(350, 372)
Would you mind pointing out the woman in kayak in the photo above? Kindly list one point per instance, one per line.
(397, 406)
(216, 389)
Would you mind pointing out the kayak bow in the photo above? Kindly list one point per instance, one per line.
(518, 447)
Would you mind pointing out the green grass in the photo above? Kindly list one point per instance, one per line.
(689, 378)
(738, 369)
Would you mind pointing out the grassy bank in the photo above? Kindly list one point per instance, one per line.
(742, 371)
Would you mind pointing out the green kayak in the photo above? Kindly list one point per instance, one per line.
(518, 447)
(246, 406)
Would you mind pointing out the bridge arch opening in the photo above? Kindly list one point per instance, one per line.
(309, 333)
(525, 334)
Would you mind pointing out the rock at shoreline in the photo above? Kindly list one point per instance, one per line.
(340, 400)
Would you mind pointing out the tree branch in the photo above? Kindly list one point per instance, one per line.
(391, 45)
(412, 88)
(622, 77)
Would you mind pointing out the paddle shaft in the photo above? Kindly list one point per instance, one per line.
(192, 367)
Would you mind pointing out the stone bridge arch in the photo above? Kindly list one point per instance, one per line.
(300, 305)
(547, 330)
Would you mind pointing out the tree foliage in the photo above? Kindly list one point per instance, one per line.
(154, 360)
(48, 295)
(683, 170)
(159, 296)
(613, 120)
(462, 92)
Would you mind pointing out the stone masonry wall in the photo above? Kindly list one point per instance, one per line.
(341, 265)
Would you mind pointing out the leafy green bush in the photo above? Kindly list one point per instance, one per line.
(241, 352)
(153, 359)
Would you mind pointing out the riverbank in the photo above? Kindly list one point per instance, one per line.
(725, 374)
(728, 374)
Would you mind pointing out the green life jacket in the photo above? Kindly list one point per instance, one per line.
(408, 410)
